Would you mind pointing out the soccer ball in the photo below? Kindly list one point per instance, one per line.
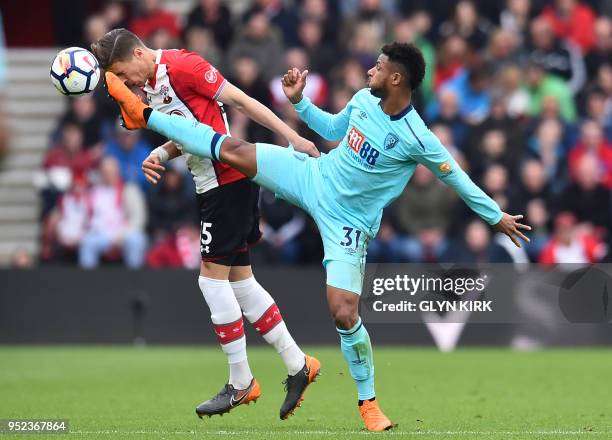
(75, 71)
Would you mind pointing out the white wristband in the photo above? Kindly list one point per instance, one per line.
(161, 153)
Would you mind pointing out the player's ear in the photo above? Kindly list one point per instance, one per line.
(396, 78)
(137, 52)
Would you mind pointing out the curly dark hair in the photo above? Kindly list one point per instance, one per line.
(410, 58)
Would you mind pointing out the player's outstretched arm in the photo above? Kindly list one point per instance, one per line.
(328, 126)
(152, 166)
(434, 156)
(232, 95)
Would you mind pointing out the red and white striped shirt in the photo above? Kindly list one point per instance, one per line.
(187, 85)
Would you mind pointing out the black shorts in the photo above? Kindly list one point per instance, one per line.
(229, 222)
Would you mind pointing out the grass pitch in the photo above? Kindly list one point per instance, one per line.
(129, 393)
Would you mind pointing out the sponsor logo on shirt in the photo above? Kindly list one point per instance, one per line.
(366, 154)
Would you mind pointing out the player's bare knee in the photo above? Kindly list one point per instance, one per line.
(345, 317)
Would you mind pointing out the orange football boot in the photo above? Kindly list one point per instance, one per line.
(229, 398)
(130, 104)
(373, 417)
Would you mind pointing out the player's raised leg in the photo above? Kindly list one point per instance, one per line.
(195, 138)
(343, 290)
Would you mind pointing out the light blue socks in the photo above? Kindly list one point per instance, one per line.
(194, 137)
(357, 350)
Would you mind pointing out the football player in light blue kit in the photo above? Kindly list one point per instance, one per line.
(383, 139)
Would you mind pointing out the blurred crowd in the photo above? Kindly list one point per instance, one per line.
(520, 91)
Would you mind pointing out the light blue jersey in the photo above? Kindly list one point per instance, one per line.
(377, 157)
(346, 190)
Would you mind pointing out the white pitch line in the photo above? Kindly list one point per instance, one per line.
(344, 433)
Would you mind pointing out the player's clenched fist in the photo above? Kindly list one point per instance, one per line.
(294, 82)
(151, 167)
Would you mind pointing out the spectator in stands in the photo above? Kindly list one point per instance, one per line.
(490, 149)
(320, 12)
(114, 14)
(322, 57)
(66, 225)
(422, 218)
(476, 247)
(130, 150)
(201, 41)
(592, 142)
(586, 197)
(471, 87)
(510, 128)
(95, 27)
(468, 25)
(502, 50)
(537, 215)
(495, 184)
(316, 87)
(412, 30)
(152, 18)
(180, 249)
(117, 220)
(602, 51)
(557, 57)
(540, 85)
(351, 74)
(280, 16)
(509, 85)
(245, 74)
(214, 16)
(258, 40)
(515, 16)
(65, 159)
(546, 146)
(532, 186)
(573, 20)
(281, 224)
(450, 61)
(571, 244)
(370, 21)
(450, 117)
(599, 109)
(83, 110)
(171, 204)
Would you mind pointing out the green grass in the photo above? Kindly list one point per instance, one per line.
(128, 393)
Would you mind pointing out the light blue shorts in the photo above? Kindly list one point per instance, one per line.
(296, 177)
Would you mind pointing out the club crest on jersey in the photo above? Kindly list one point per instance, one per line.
(211, 75)
(164, 90)
(391, 141)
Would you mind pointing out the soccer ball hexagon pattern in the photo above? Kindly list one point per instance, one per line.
(75, 71)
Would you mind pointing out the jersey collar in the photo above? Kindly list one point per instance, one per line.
(152, 82)
(401, 114)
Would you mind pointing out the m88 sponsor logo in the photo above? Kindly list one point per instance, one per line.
(358, 143)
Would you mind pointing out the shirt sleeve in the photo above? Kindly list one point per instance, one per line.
(203, 78)
(430, 152)
(328, 126)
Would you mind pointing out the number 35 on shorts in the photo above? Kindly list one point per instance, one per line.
(205, 237)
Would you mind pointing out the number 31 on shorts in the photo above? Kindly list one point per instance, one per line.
(351, 237)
